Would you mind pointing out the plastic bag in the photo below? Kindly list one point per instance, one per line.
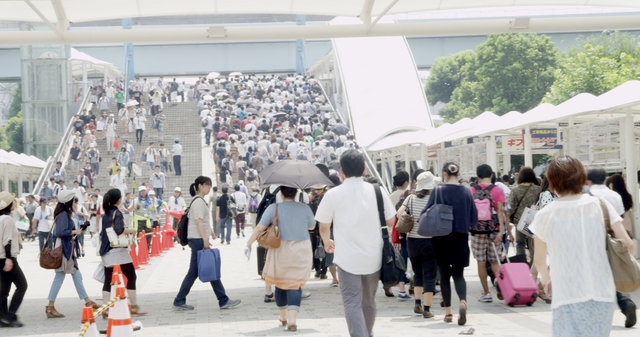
(209, 265)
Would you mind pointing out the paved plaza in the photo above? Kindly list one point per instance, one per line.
(321, 314)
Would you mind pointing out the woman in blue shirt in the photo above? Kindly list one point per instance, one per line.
(288, 267)
(65, 232)
(452, 251)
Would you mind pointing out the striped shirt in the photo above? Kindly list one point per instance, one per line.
(415, 206)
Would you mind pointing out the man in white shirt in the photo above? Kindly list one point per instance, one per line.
(352, 208)
(118, 181)
(158, 182)
(176, 204)
(41, 223)
(240, 198)
(177, 157)
(595, 180)
(150, 154)
(138, 124)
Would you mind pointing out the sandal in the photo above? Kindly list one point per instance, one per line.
(283, 322)
(462, 311)
(448, 318)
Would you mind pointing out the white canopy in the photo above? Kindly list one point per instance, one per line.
(20, 159)
(57, 14)
(80, 60)
(625, 96)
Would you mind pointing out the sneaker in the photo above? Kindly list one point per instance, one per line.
(183, 307)
(486, 298)
(388, 292)
(268, 298)
(427, 314)
(317, 275)
(417, 308)
(630, 313)
(404, 297)
(334, 284)
(230, 304)
(306, 294)
(323, 276)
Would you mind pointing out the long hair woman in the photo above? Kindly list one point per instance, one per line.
(452, 251)
(583, 308)
(198, 233)
(10, 272)
(288, 267)
(117, 256)
(65, 234)
(616, 183)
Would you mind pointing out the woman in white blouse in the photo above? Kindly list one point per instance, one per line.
(571, 230)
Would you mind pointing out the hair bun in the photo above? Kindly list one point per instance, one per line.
(453, 168)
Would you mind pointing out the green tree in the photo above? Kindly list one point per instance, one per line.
(4, 144)
(598, 65)
(447, 73)
(16, 103)
(14, 133)
(507, 72)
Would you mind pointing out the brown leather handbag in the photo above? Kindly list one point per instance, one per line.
(50, 258)
(270, 238)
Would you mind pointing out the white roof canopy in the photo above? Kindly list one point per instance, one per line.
(625, 97)
(83, 62)
(57, 14)
(20, 159)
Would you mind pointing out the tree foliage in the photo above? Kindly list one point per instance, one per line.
(507, 72)
(11, 136)
(16, 103)
(597, 65)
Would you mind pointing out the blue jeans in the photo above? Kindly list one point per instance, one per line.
(42, 238)
(159, 191)
(207, 136)
(288, 299)
(176, 165)
(225, 225)
(57, 283)
(192, 275)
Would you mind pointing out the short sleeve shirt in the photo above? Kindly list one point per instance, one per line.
(199, 210)
(497, 194)
(295, 220)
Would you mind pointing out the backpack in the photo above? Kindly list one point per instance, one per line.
(232, 208)
(484, 205)
(253, 204)
(251, 175)
(204, 123)
(183, 225)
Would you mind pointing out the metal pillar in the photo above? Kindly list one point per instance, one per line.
(129, 69)
(506, 160)
(528, 156)
(407, 161)
(491, 153)
(631, 169)
(301, 52)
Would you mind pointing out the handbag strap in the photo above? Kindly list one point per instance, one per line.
(607, 219)
(522, 198)
(380, 205)
(46, 242)
(275, 217)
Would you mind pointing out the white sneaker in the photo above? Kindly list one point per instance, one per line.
(486, 298)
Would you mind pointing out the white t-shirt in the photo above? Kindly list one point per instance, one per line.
(609, 195)
(241, 200)
(574, 232)
(44, 224)
(138, 122)
(177, 149)
(352, 208)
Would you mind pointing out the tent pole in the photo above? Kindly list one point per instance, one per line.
(528, 157)
(491, 153)
(631, 169)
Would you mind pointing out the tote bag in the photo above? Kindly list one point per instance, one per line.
(209, 265)
(437, 220)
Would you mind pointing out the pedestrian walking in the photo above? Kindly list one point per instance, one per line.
(288, 266)
(224, 215)
(177, 157)
(198, 233)
(583, 308)
(352, 208)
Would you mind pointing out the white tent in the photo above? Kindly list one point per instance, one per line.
(81, 62)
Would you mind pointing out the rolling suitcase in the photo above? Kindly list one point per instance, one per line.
(262, 258)
(516, 283)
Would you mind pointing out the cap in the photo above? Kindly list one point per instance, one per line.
(152, 192)
(6, 199)
(178, 189)
(141, 188)
(177, 140)
(65, 196)
(426, 181)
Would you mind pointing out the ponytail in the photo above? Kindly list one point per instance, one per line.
(201, 180)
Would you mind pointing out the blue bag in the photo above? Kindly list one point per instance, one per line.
(209, 265)
(436, 220)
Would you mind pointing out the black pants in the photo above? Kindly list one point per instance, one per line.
(319, 265)
(139, 135)
(16, 277)
(177, 165)
(423, 261)
(129, 272)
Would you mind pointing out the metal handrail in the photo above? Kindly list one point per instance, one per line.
(62, 152)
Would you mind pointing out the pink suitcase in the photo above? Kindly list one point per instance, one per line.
(516, 284)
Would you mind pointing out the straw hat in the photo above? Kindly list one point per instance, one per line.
(426, 181)
(65, 196)
(6, 199)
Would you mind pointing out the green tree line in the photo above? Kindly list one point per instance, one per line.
(519, 71)
(11, 134)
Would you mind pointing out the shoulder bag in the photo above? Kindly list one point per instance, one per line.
(515, 210)
(50, 258)
(270, 238)
(393, 265)
(183, 225)
(624, 267)
(115, 240)
(437, 220)
(405, 221)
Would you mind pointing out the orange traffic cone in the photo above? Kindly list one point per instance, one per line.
(134, 257)
(119, 324)
(88, 317)
(143, 250)
(155, 243)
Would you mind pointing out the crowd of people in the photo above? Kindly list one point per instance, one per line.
(251, 122)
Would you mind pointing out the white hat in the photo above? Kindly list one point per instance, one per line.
(152, 192)
(141, 188)
(65, 196)
(6, 199)
(178, 189)
(426, 181)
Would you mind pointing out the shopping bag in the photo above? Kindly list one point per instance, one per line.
(22, 225)
(209, 265)
(526, 219)
(98, 274)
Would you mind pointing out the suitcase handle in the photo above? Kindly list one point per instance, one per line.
(493, 245)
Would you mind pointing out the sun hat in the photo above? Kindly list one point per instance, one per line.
(66, 195)
(426, 181)
(152, 192)
(141, 188)
(178, 189)
(6, 199)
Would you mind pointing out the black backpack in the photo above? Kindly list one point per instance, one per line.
(183, 225)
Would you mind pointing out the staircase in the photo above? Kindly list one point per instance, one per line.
(182, 122)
